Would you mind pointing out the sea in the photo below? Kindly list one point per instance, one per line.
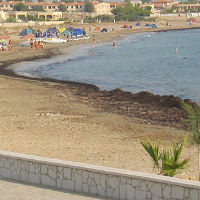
(165, 63)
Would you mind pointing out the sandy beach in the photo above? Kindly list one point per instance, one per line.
(78, 122)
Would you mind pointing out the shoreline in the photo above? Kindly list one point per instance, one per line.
(81, 123)
(157, 102)
(4, 70)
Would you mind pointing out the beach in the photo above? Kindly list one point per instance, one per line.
(79, 122)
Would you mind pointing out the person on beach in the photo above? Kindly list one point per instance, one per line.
(31, 43)
(36, 45)
(10, 46)
(40, 45)
(94, 39)
(114, 44)
(5, 47)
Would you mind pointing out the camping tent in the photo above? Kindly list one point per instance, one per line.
(78, 32)
(138, 24)
(51, 32)
(26, 32)
(97, 29)
(70, 29)
(66, 33)
(154, 26)
(147, 25)
(104, 30)
(126, 26)
(62, 29)
(192, 20)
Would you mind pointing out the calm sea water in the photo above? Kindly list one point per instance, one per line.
(140, 62)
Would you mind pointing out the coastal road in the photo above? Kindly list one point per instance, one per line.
(16, 191)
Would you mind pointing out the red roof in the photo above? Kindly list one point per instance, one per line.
(10, 3)
(116, 3)
(42, 3)
(156, 5)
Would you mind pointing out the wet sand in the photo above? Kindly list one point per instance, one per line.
(61, 120)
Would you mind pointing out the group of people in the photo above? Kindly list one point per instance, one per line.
(36, 44)
(4, 46)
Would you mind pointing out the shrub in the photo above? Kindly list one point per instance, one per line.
(166, 160)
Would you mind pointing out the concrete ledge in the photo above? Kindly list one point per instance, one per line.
(93, 179)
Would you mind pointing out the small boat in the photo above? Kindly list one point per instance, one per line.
(54, 40)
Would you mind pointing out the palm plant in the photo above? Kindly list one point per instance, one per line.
(166, 160)
(194, 119)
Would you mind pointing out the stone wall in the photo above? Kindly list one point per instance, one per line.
(95, 180)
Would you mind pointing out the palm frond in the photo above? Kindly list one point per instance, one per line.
(194, 119)
(171, 163)
(153, 150)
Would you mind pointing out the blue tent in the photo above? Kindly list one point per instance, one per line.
(138, 24)
(78, 32)
(27, 31)
(51, 32)
(147, 25)
(70, 29)
(154, 26)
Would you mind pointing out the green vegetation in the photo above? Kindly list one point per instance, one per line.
(11, 19)
(169, 10)
(130, 12)
(62, 8)
(146, 1)
(189, 2)
(102, 18)
(38, 8)
(67, 1)
(20, 7)
(166, 160)
(33, 18)
(89, 7)
(194, 119)
(64, 19)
